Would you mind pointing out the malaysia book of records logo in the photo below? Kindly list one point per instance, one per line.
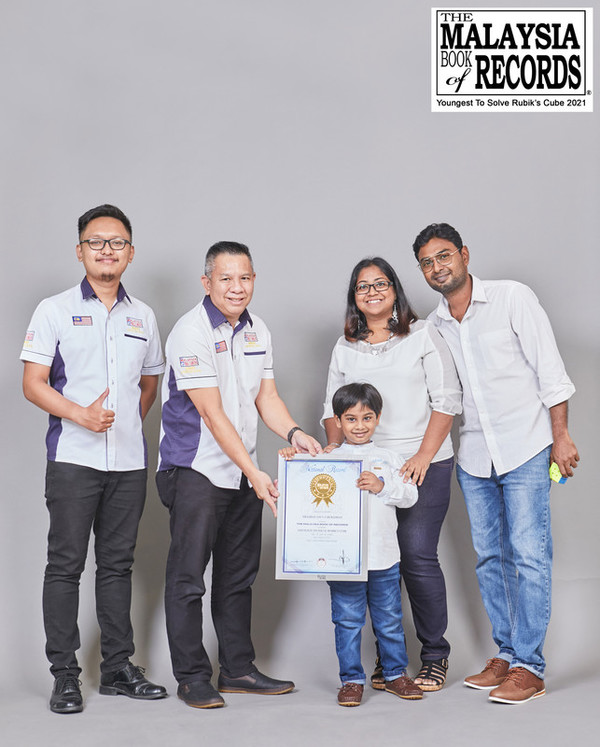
(512, 59)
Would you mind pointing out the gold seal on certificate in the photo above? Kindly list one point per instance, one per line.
(321, 519)
(322, 487)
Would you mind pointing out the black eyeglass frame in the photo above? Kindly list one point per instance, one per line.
(105, 242)
(387, 283)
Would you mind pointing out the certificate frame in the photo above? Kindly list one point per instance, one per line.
(321, 519)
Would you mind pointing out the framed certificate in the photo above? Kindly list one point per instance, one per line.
(321, 520)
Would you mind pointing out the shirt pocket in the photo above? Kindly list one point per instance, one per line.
(499, 349)
(135, 337)
(133, 350)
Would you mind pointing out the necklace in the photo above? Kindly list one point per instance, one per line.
(378, 348)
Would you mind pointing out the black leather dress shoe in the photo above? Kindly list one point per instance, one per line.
(255, 682)
(130, 681)
(66, 695)
(200, 694)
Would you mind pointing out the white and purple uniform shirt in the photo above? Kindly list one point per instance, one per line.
(89, 349)
(204, 351)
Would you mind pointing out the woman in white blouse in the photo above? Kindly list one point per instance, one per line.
(407, 360)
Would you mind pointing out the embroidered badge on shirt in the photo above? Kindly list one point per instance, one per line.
(135, 328)
(221, 346)
(252, 346)
(188, 361)
(82, 321)
(28, 338)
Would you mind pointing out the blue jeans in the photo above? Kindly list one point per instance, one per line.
(349, 600)
(510, 526)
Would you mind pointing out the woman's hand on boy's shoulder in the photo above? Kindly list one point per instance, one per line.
(414, 469)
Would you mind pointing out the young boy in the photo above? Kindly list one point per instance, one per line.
(357, 409)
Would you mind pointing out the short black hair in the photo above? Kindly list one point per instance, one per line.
(103, 211)
(356, 394)
(224, 247)
(437, 231)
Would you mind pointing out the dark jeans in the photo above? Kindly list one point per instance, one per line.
(79, 499)
(418, 535)
(207, 520)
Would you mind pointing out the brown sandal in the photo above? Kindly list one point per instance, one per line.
(377, 678)
(435, 671)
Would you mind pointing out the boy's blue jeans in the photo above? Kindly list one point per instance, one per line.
(349, 600)
(510, 526)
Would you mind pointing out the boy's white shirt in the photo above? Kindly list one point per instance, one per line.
(383, 550)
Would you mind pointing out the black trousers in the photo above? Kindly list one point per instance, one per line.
(79, 499)
(206, 520)
(418, 535)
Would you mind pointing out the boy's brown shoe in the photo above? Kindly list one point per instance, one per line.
(492, 675)
(350, 694)
(404, 687)
(519, 686)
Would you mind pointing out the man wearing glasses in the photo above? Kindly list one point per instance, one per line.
(92, 359)
(514, 425)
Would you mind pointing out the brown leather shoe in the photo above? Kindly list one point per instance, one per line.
(405, 688)
(350, 694)
(492, 675)
(519, 686)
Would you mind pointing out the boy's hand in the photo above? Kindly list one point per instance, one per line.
(288, 452)
(369, 481)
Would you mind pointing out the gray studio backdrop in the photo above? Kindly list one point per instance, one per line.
(303, 129)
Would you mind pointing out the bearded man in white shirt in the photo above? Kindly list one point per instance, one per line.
(514, 424)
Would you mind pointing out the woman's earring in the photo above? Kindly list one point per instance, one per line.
(395, 312)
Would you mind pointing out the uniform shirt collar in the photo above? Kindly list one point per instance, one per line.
(477, 294)
(88, 292)
(216, 317)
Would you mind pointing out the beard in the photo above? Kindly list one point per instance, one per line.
(107, 277)
(452, 284)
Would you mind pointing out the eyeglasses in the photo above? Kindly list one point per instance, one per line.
(443, 258)
(379, 285)
(97, 245)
